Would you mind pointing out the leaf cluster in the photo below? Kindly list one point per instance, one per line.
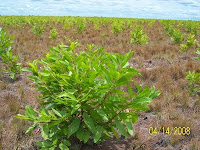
(138, 36)
(54, 34)
(189, 43)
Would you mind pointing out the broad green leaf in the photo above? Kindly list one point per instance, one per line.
(23, 117)
(129, 128)
(55, 142)
(73, 127)
(127, 57)
(102, 114)
(57, 112)
(89, 122)
(130, 91)
(75, 108)
(72, 46)
(115, 133)
(65, 94)
(124, 79)
(45, 131)
(44, 144)
(143, 100)
(26, 69)
(80, 134)
(86, 137)
(63, 147)
(98, 134)
(134, 117)
(107, 75)
(30, 112)
(95, 114)
(66, 142)
(121, 128)
(118, 92)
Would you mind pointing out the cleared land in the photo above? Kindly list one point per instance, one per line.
(160, 62)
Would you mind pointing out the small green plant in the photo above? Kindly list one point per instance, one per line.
(54, 34)
(103, 35)
(13, 67)
(177, 37)
(81, 24)
(194, 81)
(194, 78)
(96, 26)
(38, 29)
(138, 36)
(117, 27)
(83, 97)
(189, 43)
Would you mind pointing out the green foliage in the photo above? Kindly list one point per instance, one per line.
(81, 24)
(82, 96)
(54, 34)
(189, 43)
(117, 27)
(103, 35)
(192, 27)
(70, 40)
(96, 26)
(13, 67)
(38, 29)
(194, 81)
(138, 36)
(177, 37)
(194, 78)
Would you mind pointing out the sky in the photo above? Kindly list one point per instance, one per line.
(155, 9)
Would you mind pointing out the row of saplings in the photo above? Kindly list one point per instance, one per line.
(83, 97)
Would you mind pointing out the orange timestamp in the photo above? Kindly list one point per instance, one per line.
(170, 130)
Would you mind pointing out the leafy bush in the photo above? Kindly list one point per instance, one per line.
(194, 81)
(194, 78)
(13, 67)
(177, 37)
(138, 36)
(54, 34)
(38, 29)
(189, 43)
(81, 24)
(83, 97)
(117, 27)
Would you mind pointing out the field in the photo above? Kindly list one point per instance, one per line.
(159, 55)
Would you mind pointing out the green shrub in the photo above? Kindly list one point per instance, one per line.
(117, 27)
(54, 34)
(177, 37)
(83, 97)
(138, 36)
(38, 29)
(81, 25)
(194, 78)
(13, 67)
(189, 43)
